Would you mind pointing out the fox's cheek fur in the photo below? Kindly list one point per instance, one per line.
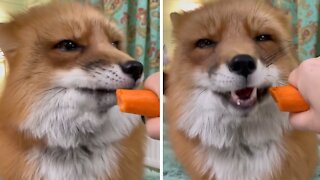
(71, 109)
(222, 79)
(109, 77)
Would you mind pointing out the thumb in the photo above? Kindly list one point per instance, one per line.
(153, 83)
(293, 77)
(304, 121)
(153, 127)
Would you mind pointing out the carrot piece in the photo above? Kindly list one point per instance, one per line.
(289, 99)
(143, 102)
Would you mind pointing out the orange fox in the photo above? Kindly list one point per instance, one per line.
(222, 123)
(58, 113)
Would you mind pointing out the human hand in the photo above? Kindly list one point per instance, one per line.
(307, 79)
(153, 124)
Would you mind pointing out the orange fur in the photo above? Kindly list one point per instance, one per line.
(232, 23)
(26, 42)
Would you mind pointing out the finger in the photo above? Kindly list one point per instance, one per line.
(153, 83)
(304, 121)
(293, 77)
(153, 128)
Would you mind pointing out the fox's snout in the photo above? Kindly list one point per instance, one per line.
(132, 68)
(243, 65)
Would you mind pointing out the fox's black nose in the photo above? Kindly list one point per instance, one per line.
(132, 68)
(243, 65)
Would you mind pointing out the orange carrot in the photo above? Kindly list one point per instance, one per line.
(143, 102)
(289, 99)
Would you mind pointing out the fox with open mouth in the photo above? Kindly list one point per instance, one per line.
(222, 122)
(58, 112)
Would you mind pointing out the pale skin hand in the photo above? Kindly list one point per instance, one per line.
(153, 124)
(307, 79)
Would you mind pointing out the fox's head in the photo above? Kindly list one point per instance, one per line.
(65, 63)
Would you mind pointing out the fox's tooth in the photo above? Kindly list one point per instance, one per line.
(234, 96)
(253, 94)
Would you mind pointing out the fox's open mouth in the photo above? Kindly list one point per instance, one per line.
(245, 98)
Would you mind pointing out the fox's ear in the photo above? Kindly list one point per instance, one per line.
(7, 42)
(175, 18)
(275, 4)
(278, 6)
(269, 2)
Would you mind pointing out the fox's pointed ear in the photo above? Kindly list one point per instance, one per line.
(269, 2)
(175, 18)
(7, 42)
(277, 5)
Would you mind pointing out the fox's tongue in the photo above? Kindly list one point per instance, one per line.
(244, 94)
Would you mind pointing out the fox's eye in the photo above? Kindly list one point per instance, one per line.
(205, 43)
(116, 44)
(67, 45)
(264, 37)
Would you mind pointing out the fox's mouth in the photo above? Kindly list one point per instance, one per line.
(245, 98)
(97, 91)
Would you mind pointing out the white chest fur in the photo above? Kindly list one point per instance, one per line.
(234, 147)
(82, 139)
(75, 164)
(241, 162)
